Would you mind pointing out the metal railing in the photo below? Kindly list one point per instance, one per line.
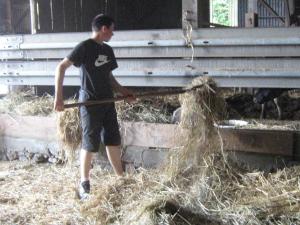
(235, 57)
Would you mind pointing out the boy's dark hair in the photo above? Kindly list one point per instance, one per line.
(100, 21)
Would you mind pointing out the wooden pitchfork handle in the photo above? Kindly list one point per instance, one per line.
(143, 95)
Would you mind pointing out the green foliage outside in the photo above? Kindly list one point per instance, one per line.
(220, 11)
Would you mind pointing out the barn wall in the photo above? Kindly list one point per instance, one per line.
(265, 19)
(14, 17)
(76, 15)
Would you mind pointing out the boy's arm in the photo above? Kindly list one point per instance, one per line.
(59, 78)
(117, 87)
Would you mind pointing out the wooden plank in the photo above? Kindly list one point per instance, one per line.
(78, 15)
(90, 9)
(71, 22)
(273, 142)
(287, 13)
(58, 15)
(203, 13)
(21, 17)
(33, 16)
(44, 16)
(251, 17)
(9, 17)
(32, 127)
(190, 13)
(148, 134)
(252, 6)
(297, 145)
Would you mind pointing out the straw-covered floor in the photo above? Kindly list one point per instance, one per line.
(197, 185)
(45, 194)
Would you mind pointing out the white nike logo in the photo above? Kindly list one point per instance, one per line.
(97, 63)
(101, 60)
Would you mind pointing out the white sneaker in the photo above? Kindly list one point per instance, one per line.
(84, 190)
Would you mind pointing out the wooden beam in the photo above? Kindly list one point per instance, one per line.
(252, 6)
(8, 17)
(33, 16)
(274, 142)
(287, 13)
(251, 17)
(251, 20)
(291, 6)
(44, 16)
(190, 13)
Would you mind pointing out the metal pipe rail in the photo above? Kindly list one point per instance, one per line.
(163, 43)
(235, 57)
(229, 42)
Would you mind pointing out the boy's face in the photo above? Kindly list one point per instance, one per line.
(107, 32)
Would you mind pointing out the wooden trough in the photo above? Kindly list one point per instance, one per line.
(153, 141)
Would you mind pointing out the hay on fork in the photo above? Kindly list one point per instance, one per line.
(69, 131)
(201, 109)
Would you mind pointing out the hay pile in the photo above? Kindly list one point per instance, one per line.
(152, 110)
(198, 185)
(26, 103)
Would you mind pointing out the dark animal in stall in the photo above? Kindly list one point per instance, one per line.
(265, 95)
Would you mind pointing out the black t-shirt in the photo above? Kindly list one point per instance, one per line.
(96, 61)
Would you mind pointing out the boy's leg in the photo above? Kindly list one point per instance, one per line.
(85, 164)
(114, 156)
(85, 167)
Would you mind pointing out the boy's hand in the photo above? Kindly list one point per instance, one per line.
(58, 105)
(129, 94)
